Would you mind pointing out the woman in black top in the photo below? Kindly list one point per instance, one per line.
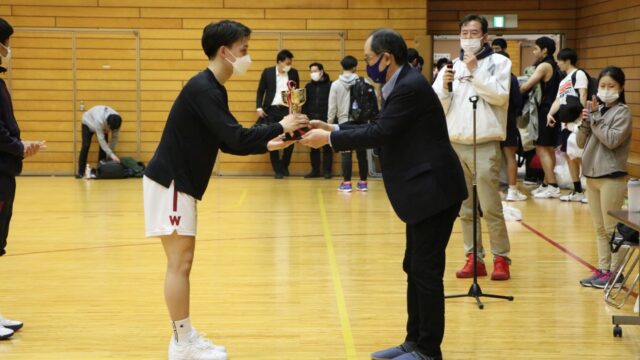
(317, 107)
(547, 75)
(12, 151)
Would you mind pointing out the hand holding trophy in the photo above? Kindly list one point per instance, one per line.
(294, 98)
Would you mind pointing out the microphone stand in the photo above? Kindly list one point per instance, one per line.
(475, 291)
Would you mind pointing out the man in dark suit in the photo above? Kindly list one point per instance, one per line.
(269, 104)
(423, 179)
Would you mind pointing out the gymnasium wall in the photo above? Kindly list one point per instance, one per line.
(609, 34)
(48, 94)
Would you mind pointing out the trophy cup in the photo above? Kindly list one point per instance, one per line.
(294, 98)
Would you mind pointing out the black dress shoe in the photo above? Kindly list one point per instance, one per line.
(313, 174)
(78, 176)
(279, 176)
(327, 175)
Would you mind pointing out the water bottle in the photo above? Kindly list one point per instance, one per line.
(633, 188)
(87, 172)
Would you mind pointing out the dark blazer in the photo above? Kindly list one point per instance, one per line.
(267, 86)
(421, 172)
(11, 148)
(199, 125)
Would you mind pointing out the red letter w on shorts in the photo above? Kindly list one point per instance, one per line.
(175, 220)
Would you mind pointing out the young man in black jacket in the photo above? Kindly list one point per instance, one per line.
(269, 104)
(316, 107)
(12, 151)
(199, 125)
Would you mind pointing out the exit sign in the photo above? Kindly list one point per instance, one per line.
(506, 21)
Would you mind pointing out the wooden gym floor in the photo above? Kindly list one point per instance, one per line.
(284, 270)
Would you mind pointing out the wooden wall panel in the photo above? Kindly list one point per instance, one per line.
(610, 35)
(534, 16)
(170, 31)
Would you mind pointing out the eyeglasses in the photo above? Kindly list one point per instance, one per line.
(367, 57)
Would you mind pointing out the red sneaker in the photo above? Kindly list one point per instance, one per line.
(500, 269)
(467, 271)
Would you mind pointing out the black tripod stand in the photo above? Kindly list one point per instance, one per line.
(475, 290)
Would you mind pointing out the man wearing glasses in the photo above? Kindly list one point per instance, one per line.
(479, 72)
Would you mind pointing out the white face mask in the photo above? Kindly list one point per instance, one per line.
(316, 76)
(241, 65)
(287, 68)
(6, 58)
(471, 45)
(608, 96)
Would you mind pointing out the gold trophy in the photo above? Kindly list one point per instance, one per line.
(294, 98)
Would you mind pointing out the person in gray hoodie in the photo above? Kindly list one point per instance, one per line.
(339, 102)
(605, 136)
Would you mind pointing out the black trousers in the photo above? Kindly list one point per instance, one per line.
(87, 135)
(280, 165)
(424, 263)
(7, 195)
(347, 164)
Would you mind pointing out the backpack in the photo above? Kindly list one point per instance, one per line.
(363, 103)
(132, 167)
(573, 108)
(110, 170)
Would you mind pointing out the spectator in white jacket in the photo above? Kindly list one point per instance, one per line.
(100, 120)
(479, 72)
(339, 103)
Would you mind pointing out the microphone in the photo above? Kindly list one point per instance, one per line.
(450, 69)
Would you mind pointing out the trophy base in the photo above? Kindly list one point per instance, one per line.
(296, 135)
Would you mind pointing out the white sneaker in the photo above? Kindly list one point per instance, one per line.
(585, 200)
(515, 195)
(196, 348)
(5, 333)
(549, 193)
(201, 338)
(573, 196)
(10, 324)
(538, 189)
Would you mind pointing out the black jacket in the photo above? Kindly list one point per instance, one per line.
(199, 125)
(317, 104)
(11, 148)
(267, 86)
(421, 172)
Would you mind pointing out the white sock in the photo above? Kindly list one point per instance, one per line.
(182, 330)
(513, 187)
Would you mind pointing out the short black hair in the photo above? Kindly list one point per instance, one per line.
(473, 17)
(320, 67)
(390, 41)
(412, 54)
(114, 121)
(348, 62)
(5, 30)
(441, 62)
(568, 54)
(499, 42)
(283, 55)
(546, 43)
(222, 33)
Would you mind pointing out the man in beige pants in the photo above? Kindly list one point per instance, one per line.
(479, 72)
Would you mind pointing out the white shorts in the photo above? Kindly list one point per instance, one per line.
(167, 211)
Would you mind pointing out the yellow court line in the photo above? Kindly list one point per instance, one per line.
(243, 196)
(337, 284)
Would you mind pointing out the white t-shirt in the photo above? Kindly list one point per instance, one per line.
(567, 88)
(281, 85)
